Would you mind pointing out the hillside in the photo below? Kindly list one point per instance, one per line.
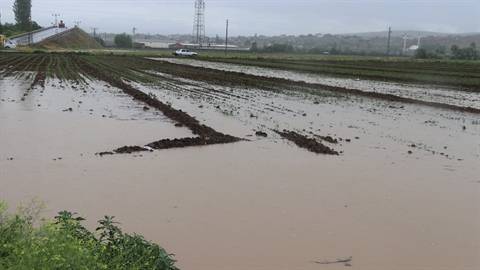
(398, 33)
(370, 44)
(76, 39)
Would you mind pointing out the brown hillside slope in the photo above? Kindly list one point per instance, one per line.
(76, 39)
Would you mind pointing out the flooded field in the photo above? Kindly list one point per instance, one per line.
(449, 95)
(231, 192)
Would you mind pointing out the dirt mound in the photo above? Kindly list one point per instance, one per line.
(75, 38)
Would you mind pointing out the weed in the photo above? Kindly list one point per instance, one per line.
(66, 244)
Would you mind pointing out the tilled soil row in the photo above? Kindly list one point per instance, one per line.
(39, 80)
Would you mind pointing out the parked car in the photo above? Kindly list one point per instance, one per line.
(9, 44)
(185, 52)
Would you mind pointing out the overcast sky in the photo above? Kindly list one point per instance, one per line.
(267, 17)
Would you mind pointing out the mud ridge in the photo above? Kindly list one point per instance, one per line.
(170, 144)
(39, 79)
(310, 144)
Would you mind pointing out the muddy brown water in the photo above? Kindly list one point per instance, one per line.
(258, 204)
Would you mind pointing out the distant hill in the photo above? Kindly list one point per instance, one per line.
(372, 43)
(75, 39)
(399, 33)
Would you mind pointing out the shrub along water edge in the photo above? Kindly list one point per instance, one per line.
(64, 243)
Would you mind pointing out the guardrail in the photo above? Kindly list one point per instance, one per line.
(30, 33)
(37, 36)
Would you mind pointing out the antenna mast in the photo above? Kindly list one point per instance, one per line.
(199, 22)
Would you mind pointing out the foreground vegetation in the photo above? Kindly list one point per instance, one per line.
(64, 243)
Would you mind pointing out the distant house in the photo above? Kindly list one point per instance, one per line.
(155, 44)
(178, 45)
(139, 45)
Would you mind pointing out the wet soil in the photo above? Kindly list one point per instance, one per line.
(310, 144)
(169, 144)
(39, 80)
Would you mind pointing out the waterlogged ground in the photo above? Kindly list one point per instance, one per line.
(447, 95)
(403, 193)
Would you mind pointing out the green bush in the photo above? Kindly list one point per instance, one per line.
(66, 244)
(123, 41)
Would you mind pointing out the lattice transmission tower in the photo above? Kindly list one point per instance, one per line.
(199, 22)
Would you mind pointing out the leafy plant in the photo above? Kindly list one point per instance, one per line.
(65, 243)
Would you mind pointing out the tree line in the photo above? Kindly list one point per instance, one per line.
(456, 52)
(22, 10)
(467, 53)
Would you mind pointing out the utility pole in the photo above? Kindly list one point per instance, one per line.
(405, 39)
(389, 40)
(133, 37)
(77, 23)
(56, 19)
(30, 35)
(94, 31)
(226, 38)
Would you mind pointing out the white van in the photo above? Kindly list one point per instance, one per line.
(10, 44)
